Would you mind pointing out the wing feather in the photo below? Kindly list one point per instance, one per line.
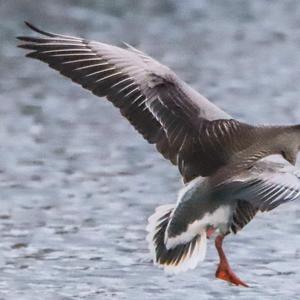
(266, 186)
(187, 129)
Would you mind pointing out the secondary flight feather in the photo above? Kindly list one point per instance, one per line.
(219, 158)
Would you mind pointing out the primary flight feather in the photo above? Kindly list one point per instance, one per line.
(224, 162)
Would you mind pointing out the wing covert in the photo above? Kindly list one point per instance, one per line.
(185, 127)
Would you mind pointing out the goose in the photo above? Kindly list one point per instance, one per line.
(227, 166)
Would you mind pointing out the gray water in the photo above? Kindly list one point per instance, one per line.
(78, 183)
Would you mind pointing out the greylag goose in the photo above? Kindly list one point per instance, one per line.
(225, 164)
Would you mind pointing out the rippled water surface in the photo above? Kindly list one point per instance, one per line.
(77, 183)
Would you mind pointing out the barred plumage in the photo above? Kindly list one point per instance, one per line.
(219, 158)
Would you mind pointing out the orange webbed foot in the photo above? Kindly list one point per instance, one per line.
(225, 273)
(224, 270)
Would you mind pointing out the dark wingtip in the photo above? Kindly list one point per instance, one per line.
(28, 24)
(23, 38)
(49, 34)
(32, 27)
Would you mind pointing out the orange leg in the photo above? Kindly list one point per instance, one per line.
(224, 270)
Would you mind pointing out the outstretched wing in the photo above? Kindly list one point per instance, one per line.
(242, 215)
(165, 110)
(265, 186)
(263, 194)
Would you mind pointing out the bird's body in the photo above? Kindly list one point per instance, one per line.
(226, 165)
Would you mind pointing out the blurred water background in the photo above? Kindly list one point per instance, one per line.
(77, 183)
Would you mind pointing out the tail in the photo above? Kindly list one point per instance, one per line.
(179, 258)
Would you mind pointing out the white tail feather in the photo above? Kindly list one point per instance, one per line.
(181, 258)
(152, 226)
